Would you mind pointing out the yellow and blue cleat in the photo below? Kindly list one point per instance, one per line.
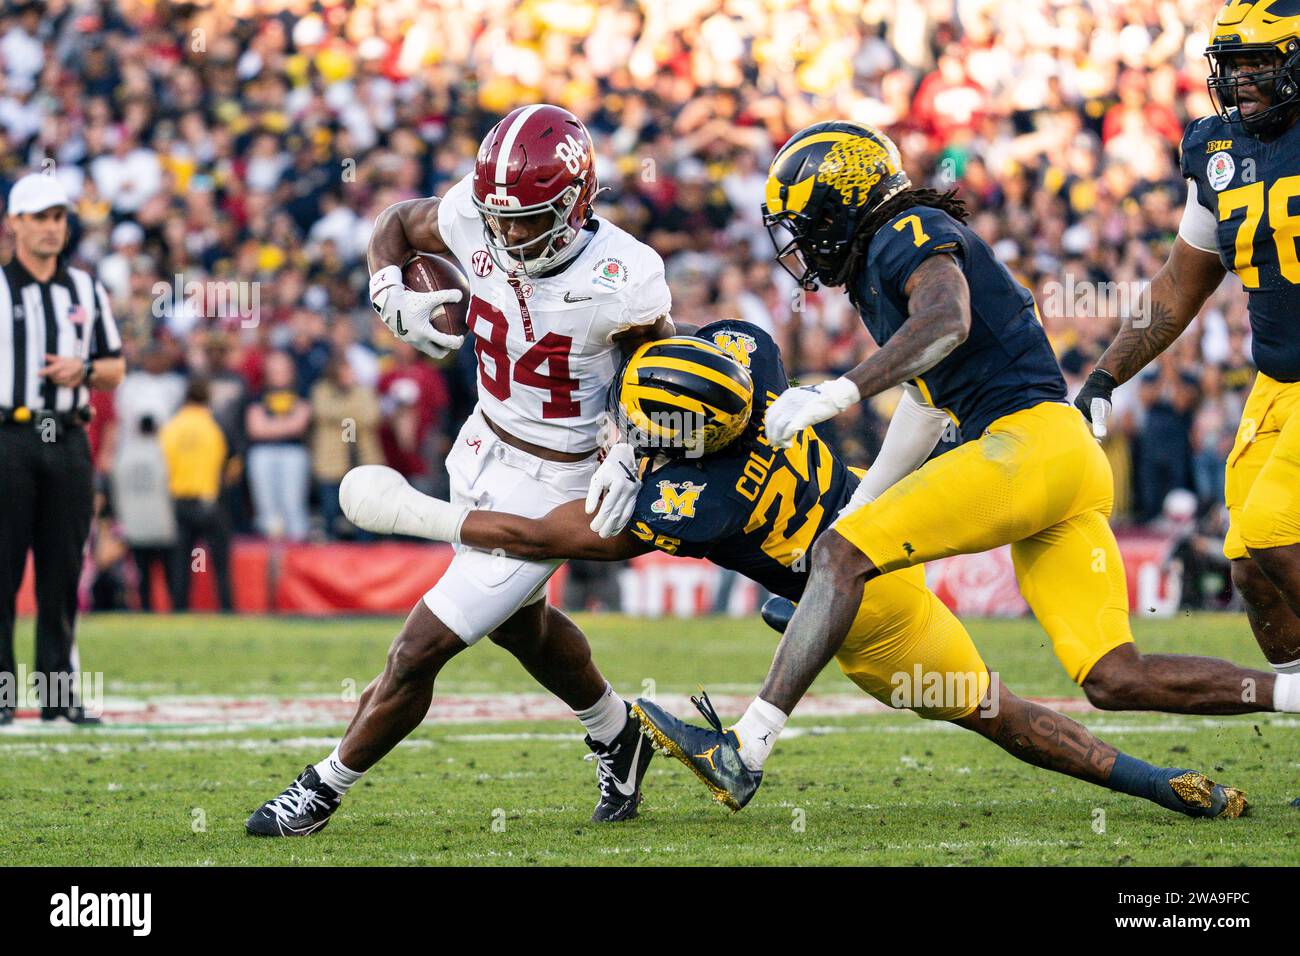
(1197, 795)
(713, 754)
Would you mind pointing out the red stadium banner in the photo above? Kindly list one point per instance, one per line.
(377, 578)
(984, 585)
(977, 585)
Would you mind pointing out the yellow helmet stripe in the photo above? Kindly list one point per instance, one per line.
(1251, 22)
(796, 196)
(835, 136)
(637, 394)
(655, 425)
(777, 196)
(700, 369)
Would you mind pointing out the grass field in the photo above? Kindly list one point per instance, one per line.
(171, 786)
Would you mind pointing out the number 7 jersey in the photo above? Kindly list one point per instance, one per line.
(1252, 190)
(545, 344)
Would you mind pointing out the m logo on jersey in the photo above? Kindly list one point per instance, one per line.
(677, 499)
(482, 263)
(739, 345)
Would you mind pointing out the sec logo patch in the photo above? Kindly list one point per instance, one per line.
(1220, 170)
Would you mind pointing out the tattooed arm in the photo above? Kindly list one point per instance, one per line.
(938, 305)
(1177, 293)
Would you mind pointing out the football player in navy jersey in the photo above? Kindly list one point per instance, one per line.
(1242, 216)
(714, 487)
(955, 327)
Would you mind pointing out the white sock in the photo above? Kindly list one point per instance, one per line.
(606, 718)
(335, 775)
(758, 730)
(1286, 693)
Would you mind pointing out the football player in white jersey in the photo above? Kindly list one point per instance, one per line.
(557, 295)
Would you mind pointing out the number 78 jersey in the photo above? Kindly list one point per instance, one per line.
(545, 344)
(1252, 193)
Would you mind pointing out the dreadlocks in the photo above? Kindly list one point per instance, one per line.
(887, 210)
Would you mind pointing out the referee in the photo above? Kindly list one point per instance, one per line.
(57, 341)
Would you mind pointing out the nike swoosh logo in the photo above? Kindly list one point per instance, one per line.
(628, 787)
(570, 297)
(400, 329)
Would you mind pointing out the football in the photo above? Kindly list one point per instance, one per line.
(430, 273)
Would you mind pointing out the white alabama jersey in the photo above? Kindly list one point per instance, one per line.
(545, 346)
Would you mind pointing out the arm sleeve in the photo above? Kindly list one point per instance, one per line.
(456, 212)
(913, 432)
(1198, 227)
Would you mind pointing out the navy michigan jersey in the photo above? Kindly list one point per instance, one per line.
(1253, 191)
(1005, 364)
(749, 508)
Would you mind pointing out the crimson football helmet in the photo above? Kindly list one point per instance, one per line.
(537, 160)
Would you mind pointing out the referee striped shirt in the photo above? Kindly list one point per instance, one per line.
(68, 315)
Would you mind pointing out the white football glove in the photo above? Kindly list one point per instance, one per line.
(409, 314)
(617, 481)
(1100, 408)
(1094, 400)
(797, 408)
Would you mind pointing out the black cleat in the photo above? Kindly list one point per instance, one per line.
(712, 754)
(619, 768)
(777, 612)
(75, 714)
(303, 809)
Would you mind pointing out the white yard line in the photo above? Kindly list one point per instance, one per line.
(299, 711)
(156, 722)
(17, 741)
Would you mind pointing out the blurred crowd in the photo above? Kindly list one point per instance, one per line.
(228, 158)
